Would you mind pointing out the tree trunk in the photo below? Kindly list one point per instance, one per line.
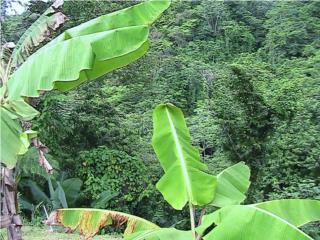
(8, 200)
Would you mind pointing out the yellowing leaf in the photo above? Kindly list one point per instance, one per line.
(90, 221)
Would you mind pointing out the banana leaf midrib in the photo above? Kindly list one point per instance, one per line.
(280, 219)
(181, 157)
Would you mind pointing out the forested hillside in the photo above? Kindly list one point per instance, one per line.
(246, 75)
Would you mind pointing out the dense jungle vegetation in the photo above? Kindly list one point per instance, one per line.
(245, 74)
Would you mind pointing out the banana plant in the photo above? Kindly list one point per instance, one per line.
(186, 180)
(13, 139)
(79, 54)
(62, 193)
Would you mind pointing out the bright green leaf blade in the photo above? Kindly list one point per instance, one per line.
(185, 179)
(22, 109)
(232, 184)
(87, 51)
(296, 211)
(249, 223)
(161, 234)
(80, 59)
(90, 221)
(141, 14)
(14, 142)
(25, 139)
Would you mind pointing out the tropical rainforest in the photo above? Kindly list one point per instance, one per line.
(246, 75)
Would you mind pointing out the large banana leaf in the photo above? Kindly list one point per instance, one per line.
(161, 234)
(232, 184)
(296, 211)
(250, 223)
(87, 51)
(90, 221)
(144, 13)
(185, 179)
(49, 21)
(71, 62)
(81, 53)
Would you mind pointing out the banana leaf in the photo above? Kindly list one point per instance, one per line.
(82, 53)
(104, 198)
(144, 13)
(21, 109)
(59, 197)
(87, 51)
(90, 221)
(232, 184)
(39, 31)
(249, 222)
(296, 211)
(185, 179)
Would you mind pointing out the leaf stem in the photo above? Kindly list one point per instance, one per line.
(192, 220)
(203, 212)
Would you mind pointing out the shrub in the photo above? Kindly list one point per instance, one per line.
(103, 169)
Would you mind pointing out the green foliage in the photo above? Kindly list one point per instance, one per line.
(249, 90)
(100, 169)
(102, 47)
(171, 140)
(27, 165)
(231, 221)
(59, 193)
(87, 40)
(103, 199)
(295, 211)
(161, 234)
(292, 30)
(38, 188)
(14, 143)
